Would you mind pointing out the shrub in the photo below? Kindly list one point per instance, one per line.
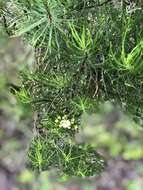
(86, 52)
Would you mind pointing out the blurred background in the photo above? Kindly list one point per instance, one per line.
(123, 151)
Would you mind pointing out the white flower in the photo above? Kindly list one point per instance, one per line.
(65, 124)
(72, 121)
(56, 121)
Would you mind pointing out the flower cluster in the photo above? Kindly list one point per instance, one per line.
(64, 122)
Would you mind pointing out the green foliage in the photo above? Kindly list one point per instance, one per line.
(58, 152)
(21, 94)
(85, 54)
